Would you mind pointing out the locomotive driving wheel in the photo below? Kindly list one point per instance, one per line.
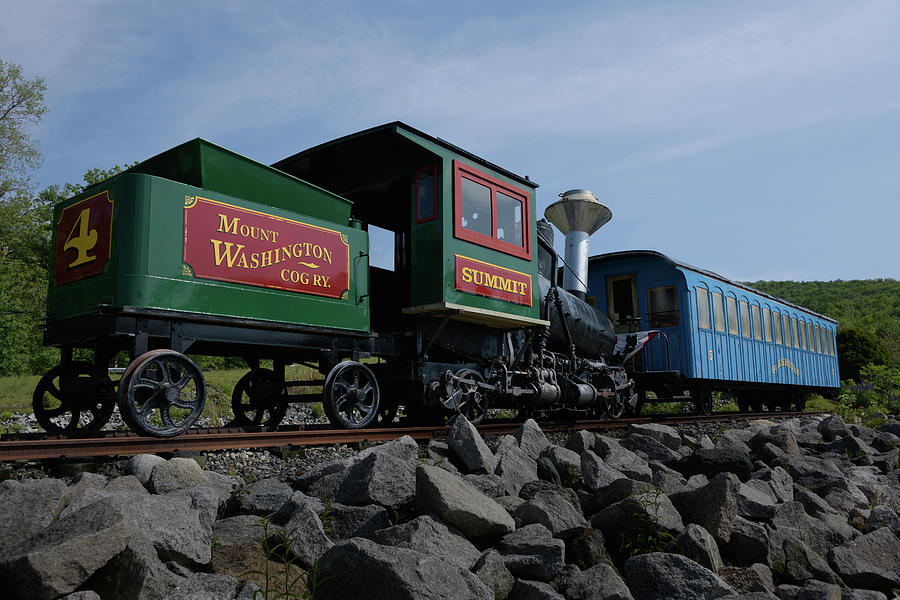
(472, 403)
(615, 406)
(351, 396)
(61, 402)
(259, 399)
(161, 393)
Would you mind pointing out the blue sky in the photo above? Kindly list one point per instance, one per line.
(760, 140)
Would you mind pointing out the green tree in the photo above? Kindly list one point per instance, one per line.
(858, 348)
(21, 107)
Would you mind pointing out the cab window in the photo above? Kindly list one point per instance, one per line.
(490, 212)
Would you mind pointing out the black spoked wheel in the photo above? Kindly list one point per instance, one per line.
(259, 399)
(162, 393)
(350, 396)
(615, 407)
(472, 404)
(79, 402)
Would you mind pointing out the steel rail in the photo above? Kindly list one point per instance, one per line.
(15, 447)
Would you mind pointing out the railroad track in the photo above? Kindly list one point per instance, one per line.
(36, 446)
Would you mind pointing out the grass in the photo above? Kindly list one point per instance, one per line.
(15, 393)
(816, 403)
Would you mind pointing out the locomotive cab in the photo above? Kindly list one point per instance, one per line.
(462, 230)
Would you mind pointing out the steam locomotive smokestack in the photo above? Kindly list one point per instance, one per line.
(577, 215)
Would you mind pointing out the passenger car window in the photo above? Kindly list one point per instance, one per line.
(745, 319)
(731, 306)
(702, 308)
(794, 334)
(777, 323)
(767, 324)
(718, 312)
(663, 305)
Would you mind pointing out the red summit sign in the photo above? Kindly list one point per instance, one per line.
(230, 243)
(491, 281)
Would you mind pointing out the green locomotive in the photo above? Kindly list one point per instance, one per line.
(202, 251)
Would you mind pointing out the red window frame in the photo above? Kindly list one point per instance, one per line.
(432, 170)
(461, 170)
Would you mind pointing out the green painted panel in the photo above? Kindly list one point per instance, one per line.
(205, 165)
(147, 269)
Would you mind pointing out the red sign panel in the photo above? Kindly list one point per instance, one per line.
(83, 236)
(491, 281)
(230, 243)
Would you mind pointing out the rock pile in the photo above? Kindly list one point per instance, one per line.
(802, 509)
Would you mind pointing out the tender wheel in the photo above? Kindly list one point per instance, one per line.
(472, 403)
(351, 396)
(81, 403)
(161, 393)
(258, 399)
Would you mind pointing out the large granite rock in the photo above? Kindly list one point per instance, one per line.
(265, 497)
(174, 474)
(380, 478)
(468, 446)
(514, 465)
(457, 503)
(871, 561)
(651, 448)
(554, 512)
(59, 558)
(305, 537)
(430, 536)
(660, 575)
(713, 506)
(532, 552)
(26, 507)
(665, 435)
(630, 522)
(791, 521)
(600, 582)
(622, 459)
(596, 473)
(363, 570)
(531, 439)
(491, 569)
(715, 461)
(697, 544)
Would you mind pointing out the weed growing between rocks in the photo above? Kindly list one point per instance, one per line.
(647, 537)
(282, 585)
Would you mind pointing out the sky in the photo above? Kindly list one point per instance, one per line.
(759, 140)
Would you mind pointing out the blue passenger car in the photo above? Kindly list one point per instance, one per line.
(714, 333)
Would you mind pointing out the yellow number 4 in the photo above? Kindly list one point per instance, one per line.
(82, 239)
